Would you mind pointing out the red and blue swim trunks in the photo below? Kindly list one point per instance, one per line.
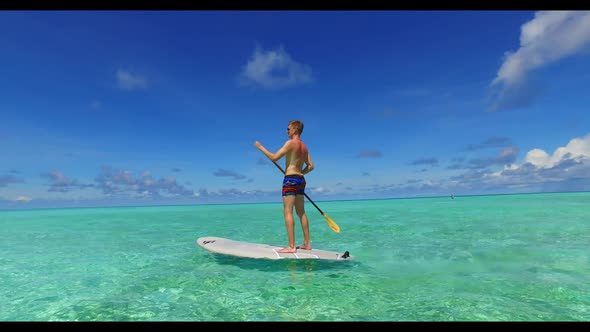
(293, 185)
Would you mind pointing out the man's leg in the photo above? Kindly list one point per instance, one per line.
(300, 209)
(288, 202)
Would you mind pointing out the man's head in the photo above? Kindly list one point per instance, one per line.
(295, 126)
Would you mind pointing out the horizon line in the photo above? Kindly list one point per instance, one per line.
(252, 203)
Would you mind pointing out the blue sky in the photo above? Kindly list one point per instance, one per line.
(163, 107)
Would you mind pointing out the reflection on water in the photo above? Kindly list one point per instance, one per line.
(276, 265)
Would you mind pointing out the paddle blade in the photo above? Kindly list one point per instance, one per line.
(332, 224)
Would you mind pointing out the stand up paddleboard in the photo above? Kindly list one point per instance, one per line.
(256, 250)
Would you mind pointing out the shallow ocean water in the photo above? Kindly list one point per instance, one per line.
(476, 258)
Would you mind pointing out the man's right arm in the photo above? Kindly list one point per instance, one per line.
(309, 165)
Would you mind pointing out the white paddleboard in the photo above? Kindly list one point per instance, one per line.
(256, 250)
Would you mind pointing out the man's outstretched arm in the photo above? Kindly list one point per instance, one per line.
(274, 156)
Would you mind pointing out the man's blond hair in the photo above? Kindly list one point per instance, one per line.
(297, 124)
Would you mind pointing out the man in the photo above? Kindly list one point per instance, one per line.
(294, 182)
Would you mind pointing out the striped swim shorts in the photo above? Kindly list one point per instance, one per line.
(293, 185)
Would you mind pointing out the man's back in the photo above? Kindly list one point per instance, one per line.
(296, 157)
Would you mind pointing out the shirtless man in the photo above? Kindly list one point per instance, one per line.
(294, 182)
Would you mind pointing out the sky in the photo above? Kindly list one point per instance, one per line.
(140, 108)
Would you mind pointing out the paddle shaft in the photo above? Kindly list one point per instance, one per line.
(279, 167)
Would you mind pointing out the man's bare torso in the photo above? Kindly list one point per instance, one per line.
(296, 157)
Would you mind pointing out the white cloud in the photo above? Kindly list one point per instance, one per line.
(322, 190)
(547, 38)
(577, 147)
(274, 69)
(23, 199)
(130, 81)
(537, 157)
(568, 168)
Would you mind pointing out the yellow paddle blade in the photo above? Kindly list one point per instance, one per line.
(332, 224)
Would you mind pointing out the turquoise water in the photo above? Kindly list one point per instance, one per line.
(482, 258)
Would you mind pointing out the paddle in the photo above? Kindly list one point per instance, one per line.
(329, 220)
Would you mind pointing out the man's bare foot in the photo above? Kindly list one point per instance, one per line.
(288, 250)
(304, 247)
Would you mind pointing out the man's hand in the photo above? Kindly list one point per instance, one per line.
(257, 144)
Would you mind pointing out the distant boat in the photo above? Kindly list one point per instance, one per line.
(452, 196)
